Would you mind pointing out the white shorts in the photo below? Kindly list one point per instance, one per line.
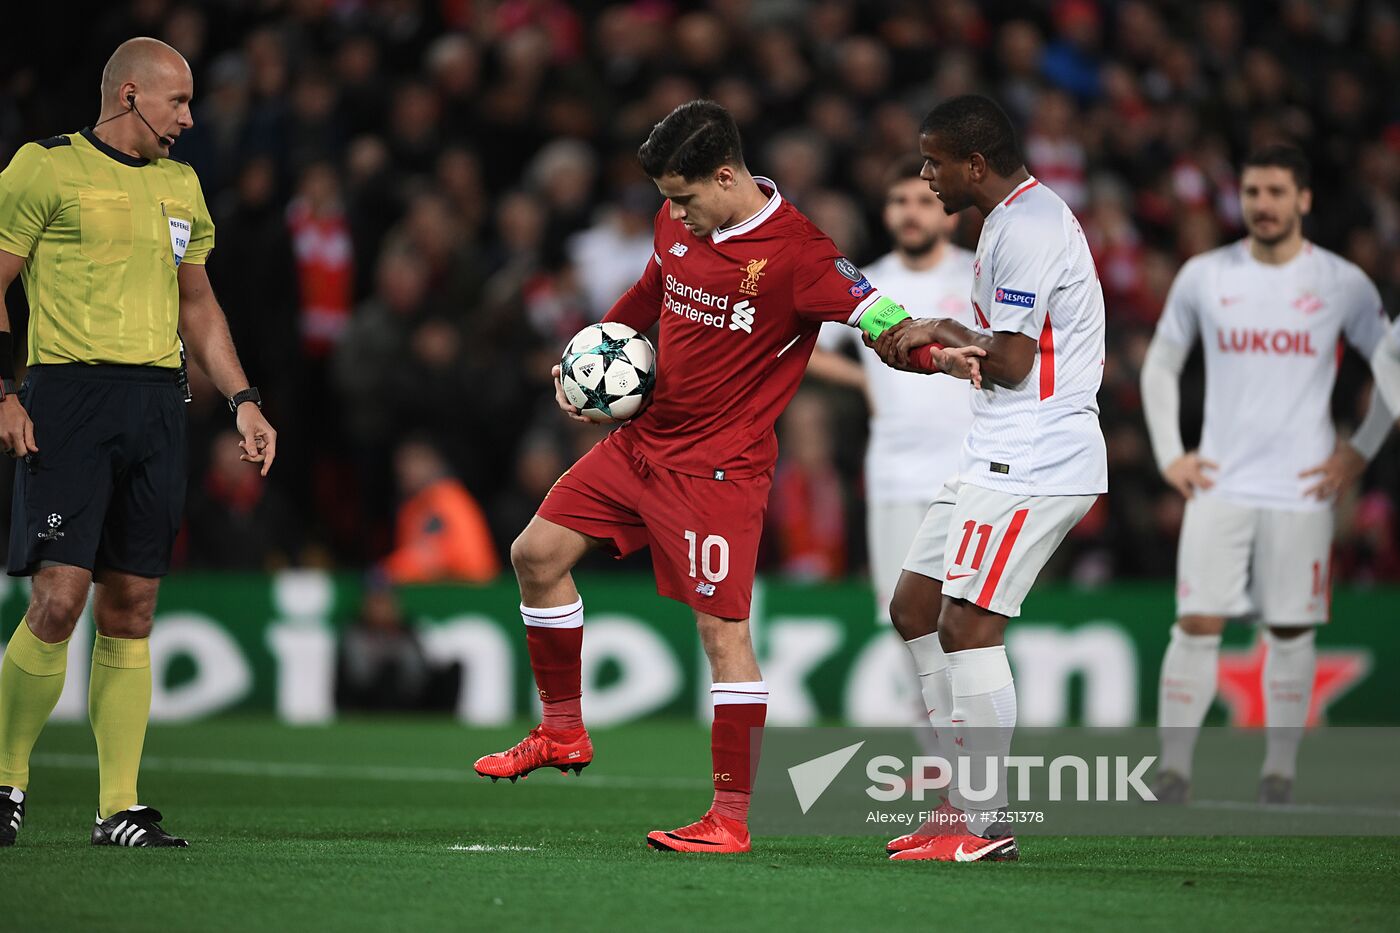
(988, 546)
(890, 528)
(1239, 560)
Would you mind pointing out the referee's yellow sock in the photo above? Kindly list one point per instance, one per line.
(31, 679)
(119, 703)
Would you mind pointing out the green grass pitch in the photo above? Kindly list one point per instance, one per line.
(382, 825)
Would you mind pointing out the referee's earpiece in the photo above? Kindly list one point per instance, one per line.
(166, 141)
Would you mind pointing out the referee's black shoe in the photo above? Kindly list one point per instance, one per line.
(138, 826)
(11, 814)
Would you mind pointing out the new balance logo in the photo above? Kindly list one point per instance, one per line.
(705, 589)
(678, 249)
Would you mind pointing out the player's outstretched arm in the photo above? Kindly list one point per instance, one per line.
(16, 430)
(204, 329)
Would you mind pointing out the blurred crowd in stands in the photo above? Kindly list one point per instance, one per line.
(418, 202)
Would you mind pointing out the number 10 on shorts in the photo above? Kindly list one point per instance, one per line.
(713, 555)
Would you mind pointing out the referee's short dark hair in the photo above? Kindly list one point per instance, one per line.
(693, 141)
(973, 123)
(1282, 155)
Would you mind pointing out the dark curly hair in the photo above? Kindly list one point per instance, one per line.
(693, 141)
(973, 123)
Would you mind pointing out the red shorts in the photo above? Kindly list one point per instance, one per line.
(703, 532)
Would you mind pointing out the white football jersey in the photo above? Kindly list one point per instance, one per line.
(1034, 275)
(1271, 339)
(918, 421)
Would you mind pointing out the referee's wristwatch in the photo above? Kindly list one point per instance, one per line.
(249, 394)
(7, 388)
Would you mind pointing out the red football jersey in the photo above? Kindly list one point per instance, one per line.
(739, 311)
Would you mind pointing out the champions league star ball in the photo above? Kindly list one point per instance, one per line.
(607, 371)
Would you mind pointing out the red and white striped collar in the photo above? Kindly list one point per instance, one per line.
(1021, 189)
(775, 201)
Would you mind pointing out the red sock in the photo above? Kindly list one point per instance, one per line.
(555, 640)
(735, 737)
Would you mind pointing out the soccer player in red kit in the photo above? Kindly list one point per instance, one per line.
(740, 282)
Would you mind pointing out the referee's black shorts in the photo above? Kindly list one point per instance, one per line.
(107, 488)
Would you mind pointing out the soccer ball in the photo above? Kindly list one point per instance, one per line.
(607, 371)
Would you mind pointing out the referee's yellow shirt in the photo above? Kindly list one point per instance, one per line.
(103, 234)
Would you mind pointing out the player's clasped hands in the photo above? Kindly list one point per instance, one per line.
(896, 345)
(961, 363)
(16, 430)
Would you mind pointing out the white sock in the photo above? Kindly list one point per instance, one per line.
(1288, 681)
(931, 665)
(1185, 692)
(984, 717)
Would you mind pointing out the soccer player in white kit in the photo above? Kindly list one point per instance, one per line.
(917, 424)
(1033, 462)
(1256, 538)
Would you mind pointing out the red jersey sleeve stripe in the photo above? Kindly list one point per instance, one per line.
(1047, 360)
(1008, 542)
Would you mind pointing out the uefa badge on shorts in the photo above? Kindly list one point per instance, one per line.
(179, 238)
(51, 532)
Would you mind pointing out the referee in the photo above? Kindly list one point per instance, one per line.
(111, 236)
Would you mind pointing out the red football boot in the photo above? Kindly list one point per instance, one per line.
(567, 751)
(712, 833)
(946, 820)
(963, 847)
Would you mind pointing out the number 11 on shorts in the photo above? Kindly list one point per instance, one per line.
(713, 554)
(984, 534)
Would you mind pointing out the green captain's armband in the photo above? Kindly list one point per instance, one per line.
(880, 317)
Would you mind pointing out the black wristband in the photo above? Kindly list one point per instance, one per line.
(249, 394)
(7, 355)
